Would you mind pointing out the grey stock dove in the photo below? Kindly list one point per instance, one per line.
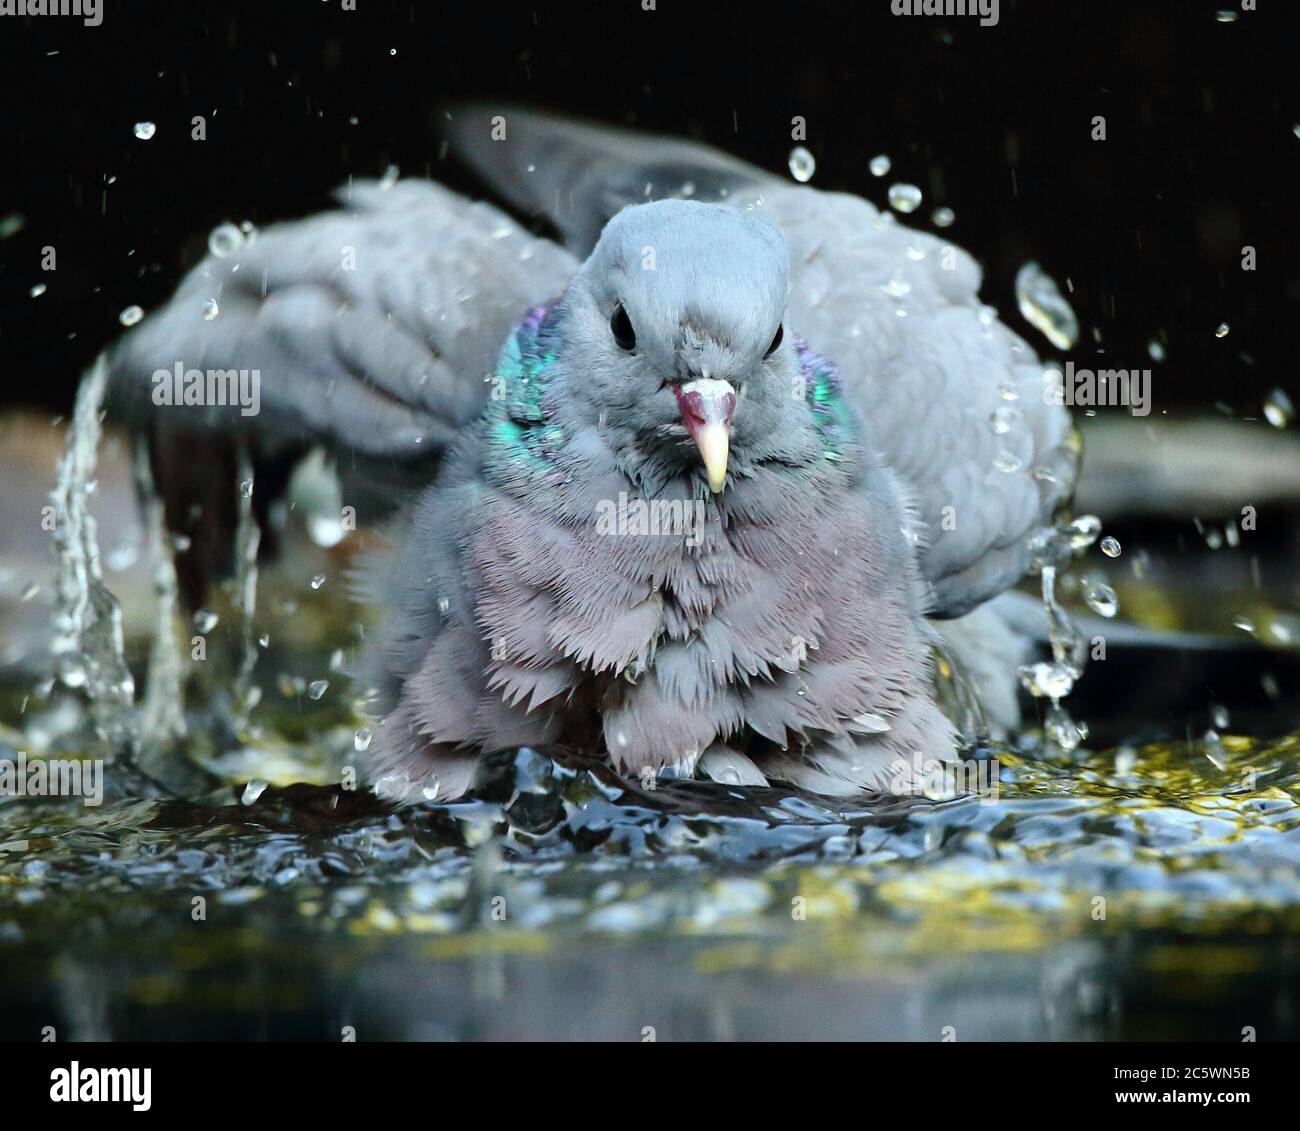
(695, 502)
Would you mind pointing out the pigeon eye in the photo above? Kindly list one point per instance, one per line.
(776, 341)
(620, 326)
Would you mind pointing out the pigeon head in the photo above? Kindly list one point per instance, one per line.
(677, 319)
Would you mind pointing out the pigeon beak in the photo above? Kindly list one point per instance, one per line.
(706, 406)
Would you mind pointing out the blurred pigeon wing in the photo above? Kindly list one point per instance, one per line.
(373, 328)
(952, 398)
(579, 174)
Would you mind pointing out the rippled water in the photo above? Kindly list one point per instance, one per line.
(1126, 889)
(1048, 910)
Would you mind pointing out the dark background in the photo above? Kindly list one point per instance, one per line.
(994, 122)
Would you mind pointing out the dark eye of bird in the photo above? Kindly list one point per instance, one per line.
(621, 327)
(776, 341)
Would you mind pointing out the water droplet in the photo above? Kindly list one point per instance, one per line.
(130, 316)
(224, 240)
(802, 164)
(430, 789)
(205, 620)
(943, 217)
(144, 130)
(1226, 16)
(1063, 730)
(210, 310)
(1044, 307)
(1047, 680)
(264, 640)
(1219, 716)
(318, 581)
(1083, 531)
(870, 723)
(1125, 760)
(1008, 392)
(897, 288)
(1279, 631)
(392, 787)
(246, 489)
(1003, 419)
(391, 176)
(361, 740)
(1110, 546)
(326, 529)
(318, 688)
(252, 791)
(1278, 409)
(880, 165)
(1155, 350)
(444, 605)
(1221, 330)
(904, 198)
(37, 290)
(71, 672)
(1101, 599)
(1007, 461)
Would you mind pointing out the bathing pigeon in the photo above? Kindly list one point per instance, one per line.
(699, 511)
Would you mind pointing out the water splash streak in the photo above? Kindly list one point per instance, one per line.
(164, 705)
(88, 620)
(247, 538)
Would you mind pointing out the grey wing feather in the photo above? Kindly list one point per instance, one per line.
(373, 328)
(953, 399)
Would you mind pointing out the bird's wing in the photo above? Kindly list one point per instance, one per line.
(952, 398)
(373, 328)
(579, 174)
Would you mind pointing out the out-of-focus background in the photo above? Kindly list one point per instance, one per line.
(1201, 158)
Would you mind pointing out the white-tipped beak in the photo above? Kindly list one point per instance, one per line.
(714, 440)
(706, 406)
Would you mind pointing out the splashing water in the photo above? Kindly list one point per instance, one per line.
(163, 717)
(1052, 549)
(1044, 307)
(88, 644)
(904, 198)
(1278, 409)
(248, 537)
(802, 164)
(224, 240)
